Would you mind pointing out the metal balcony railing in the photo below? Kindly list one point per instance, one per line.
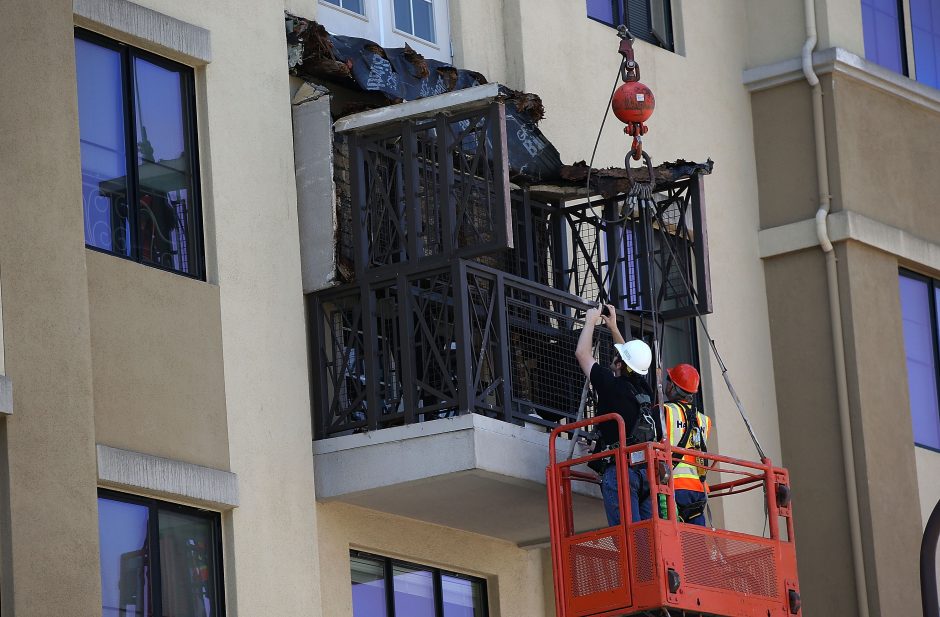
(458, 339)
(466, 295)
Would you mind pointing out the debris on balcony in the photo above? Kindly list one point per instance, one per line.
(615, 180)
(403, 74)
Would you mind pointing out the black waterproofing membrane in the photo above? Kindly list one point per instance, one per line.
(402, 74)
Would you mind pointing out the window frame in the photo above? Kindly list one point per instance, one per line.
(128, 53)
(412, 35)
(621, 12)
(154, 506)
(933, 287)
(388, 564)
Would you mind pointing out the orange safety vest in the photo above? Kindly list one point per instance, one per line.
(688, 473)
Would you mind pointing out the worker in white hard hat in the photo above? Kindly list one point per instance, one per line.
(621, 389)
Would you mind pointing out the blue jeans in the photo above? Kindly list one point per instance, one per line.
(686, 498)
(640, 510)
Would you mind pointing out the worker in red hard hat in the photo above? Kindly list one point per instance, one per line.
(621, 388)
(686, 427)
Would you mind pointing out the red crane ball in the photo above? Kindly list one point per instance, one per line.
(633, 103)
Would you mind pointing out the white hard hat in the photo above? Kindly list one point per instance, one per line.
(636, 354)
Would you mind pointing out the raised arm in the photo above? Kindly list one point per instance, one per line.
(584, 352)
(610, 320)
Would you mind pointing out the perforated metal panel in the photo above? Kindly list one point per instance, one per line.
(596, 566)
(729, 563)
(642, 555)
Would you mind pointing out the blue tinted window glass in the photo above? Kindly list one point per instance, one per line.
(350, 5)
(368, 587)
(101, 115)
(424, 19)
(188, 568)
(403, 16)
(462, 597)
(881, 24)
(925, 26)
(166, 220)
(602, 10)
(921, 369)
(413, 589)
(124, 546)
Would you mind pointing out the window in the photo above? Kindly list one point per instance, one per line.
(350, 5)
(416, 17)
(158, 558)
(884, 24)
(925, 30)
(883, 31)
(140, 186)
(649, 20)
(423, 25)
(383, 587)
(920, 301)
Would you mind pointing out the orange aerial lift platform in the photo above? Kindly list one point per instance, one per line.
(662, 566)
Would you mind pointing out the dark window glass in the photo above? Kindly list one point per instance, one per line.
(403, 16)
(414, 591)
(187, 565)
(648, 20)
(101, 114)
(416, 17)
(925, 27)
(140, 187)
(177, 575)
(382, 587)
(462, 597)
(350, 5)
(919, 306)
(368, 587)
(423, 19)
(603, 11)
(123, 529)
(881, 24)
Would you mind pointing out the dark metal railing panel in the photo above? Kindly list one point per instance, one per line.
(431, 190)
(458, 339)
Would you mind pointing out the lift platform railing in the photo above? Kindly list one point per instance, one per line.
(663, 566)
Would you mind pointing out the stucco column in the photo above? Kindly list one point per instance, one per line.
(50, 548)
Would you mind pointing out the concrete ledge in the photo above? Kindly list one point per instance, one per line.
(844, 62)
(848, 225)
(174, 479)
(452, 102)
(6, 395)
(470, 472)
(175, 38)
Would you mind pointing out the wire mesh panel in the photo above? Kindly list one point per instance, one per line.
(595, 565)
(543, 330)
(746, 567)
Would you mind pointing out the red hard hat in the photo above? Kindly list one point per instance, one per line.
(633, 102)
(685, 376)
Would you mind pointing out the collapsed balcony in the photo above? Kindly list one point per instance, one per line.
(462, 289)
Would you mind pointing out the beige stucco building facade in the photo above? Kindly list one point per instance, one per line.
(200, 392)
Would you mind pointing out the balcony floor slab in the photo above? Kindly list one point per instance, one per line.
(470, 472)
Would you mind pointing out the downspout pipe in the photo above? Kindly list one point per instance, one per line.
(835, 310)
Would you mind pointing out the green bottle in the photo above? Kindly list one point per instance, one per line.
(663, 506)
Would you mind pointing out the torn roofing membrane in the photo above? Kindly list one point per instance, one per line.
(402, 74)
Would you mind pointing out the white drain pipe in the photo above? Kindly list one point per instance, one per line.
(835, 310)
